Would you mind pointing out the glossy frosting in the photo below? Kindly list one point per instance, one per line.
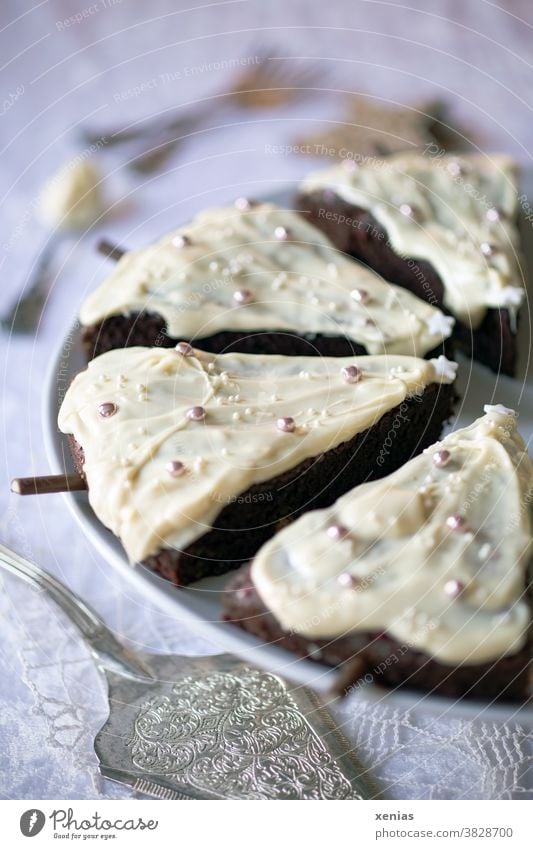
(457, 212)
(130, 410)
(264, 268)
(73, 197)
(435, 554)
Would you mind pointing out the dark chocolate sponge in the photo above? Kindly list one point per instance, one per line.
(362, 237)
(149, 329)
(254, 516)
(379, 657)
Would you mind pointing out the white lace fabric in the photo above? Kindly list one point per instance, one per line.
(61, 702)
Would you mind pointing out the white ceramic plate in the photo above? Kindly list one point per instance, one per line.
(200, 604)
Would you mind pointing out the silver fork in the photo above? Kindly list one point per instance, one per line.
(262, 85)
(24, 315)
(209, 727)
(270, 83)
(105, 648)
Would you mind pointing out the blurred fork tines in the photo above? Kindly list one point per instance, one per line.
(274, 81)
(267, 82)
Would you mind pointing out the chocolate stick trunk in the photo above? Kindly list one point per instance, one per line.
(48, 484)
(110, 249)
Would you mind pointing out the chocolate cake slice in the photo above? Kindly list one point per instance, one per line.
(194, 460)
(445, 227)
(418, 579)
(256, 279)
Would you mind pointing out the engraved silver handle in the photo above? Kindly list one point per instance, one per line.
(106, 649)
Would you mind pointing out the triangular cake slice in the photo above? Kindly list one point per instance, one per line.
(256, 278)
(443, 226)
(193, 460)
(427, 566)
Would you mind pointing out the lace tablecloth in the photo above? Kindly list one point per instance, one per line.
(73, 63)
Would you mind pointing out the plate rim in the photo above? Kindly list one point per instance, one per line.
(226, 636)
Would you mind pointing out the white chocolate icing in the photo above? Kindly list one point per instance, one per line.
(234, 273)
(463, 221)
(72, 198)
(236, 445)
(499, 408)
(457, 595)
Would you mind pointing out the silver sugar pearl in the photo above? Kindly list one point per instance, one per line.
(453, 588)
(407, 210)
(281, 234)
(175, 468)
(486, 249)
(184, 349)
(454, 168)
(493, 214)
(351, 374)
(350, 164)
(456, 522)
(243, 296)
(441, 458)
(242, 204)
(337, 532)
(360, 295)
(196, 414)
(181, 241)
(107, 409)
(350, 582)
(286, 424)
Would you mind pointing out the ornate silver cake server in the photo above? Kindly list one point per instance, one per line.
(209, 727)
